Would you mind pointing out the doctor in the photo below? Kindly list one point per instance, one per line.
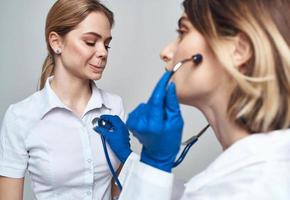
(242, 86)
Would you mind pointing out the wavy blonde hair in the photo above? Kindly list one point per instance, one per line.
(63, 17)
(260, 100)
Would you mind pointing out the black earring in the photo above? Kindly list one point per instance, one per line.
(197, 58)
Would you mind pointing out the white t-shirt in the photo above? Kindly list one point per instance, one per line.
(61, 152)
(256, 167)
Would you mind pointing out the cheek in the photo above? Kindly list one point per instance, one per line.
(197, 83)
(192, 44)
(77, 54)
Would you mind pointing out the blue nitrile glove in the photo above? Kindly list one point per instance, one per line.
(117, 138)
(158, 126)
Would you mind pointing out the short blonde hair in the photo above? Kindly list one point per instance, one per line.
(260, 101)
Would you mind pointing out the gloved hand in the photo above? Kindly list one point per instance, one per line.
(158, 126)
(117, 138)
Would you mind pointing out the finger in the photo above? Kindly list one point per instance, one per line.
(157, 97)
(108, 122)
(102, 131)
(109, 118)
(172, 104)
(134, 115)
(137, 115)
(114, 120)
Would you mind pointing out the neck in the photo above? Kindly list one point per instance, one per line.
(225, 129)
(74, 92)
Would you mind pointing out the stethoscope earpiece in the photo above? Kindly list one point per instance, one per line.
(197, 58)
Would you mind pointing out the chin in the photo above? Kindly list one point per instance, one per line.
(95, 77)
(184, 98)
(181, 98)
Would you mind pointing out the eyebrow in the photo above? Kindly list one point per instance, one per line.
(97, 35)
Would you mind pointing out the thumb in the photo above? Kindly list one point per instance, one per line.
(159, 91)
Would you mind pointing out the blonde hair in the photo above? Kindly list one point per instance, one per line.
(260, 100)
(63, 17)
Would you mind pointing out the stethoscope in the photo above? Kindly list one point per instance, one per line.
(196, 59)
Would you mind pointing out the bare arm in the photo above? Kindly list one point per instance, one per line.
(11, 188)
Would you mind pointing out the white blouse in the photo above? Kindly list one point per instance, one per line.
(61, 152)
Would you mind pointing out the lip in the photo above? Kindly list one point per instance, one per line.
(97, 68)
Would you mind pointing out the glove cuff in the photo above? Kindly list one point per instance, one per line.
(164, 162)
(124, 155)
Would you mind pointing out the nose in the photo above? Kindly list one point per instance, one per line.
(167, 54)
(101, 51)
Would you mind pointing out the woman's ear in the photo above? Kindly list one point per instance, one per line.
(55, 42)
(242, 51)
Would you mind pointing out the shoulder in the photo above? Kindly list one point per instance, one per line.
(27, 109)
(257, 168)
(259, 181)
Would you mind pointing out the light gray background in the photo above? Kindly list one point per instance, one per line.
(142, 29)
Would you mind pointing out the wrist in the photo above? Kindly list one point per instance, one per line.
(125, 155)
(164, 163)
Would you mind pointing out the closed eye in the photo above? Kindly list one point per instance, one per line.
(180, 32)
(107, 47)
(91, 44)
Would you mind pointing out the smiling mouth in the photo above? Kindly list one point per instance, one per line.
(97, 68)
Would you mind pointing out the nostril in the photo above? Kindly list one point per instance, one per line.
(164, 58)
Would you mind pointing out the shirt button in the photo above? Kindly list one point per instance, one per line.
(89, 160)
(89, 193)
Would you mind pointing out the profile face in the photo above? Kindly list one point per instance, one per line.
(85, 49)
(195, 84)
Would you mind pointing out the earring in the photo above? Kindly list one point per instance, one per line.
(58, 51)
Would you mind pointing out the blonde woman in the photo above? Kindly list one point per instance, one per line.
(49, 134)
(242, 86)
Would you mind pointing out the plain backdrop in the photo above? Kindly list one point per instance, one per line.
(141, 30)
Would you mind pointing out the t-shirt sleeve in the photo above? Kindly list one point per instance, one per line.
(13, 154)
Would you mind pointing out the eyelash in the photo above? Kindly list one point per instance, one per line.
(180, 32)
(90, 44)
(107, 47)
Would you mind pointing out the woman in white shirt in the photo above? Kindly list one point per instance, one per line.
(241, 85)
(49, 134)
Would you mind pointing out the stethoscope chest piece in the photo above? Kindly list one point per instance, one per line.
(98, 122)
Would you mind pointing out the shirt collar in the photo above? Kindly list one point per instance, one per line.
(98, 99)
(51, 100)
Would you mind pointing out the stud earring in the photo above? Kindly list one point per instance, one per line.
(58, 51)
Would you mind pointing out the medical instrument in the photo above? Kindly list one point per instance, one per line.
(105, 124)
(191, 141)
(196, 59)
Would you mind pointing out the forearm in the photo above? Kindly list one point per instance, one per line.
(11, 188)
